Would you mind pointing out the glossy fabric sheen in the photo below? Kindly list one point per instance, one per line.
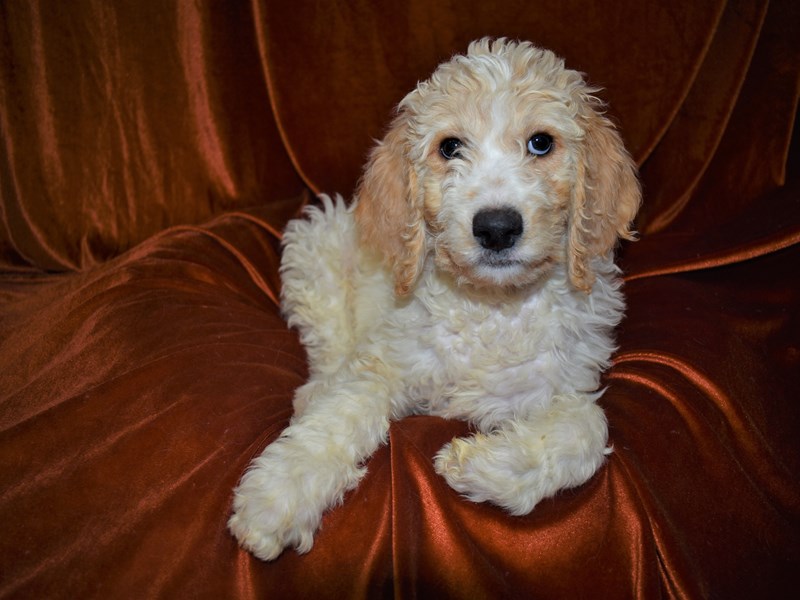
(120, 120)
(152, 152)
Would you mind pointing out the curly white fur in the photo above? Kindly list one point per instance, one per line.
(404, 309)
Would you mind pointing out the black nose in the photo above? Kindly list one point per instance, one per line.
(497, 228)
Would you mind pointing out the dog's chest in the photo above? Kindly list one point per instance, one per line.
(480, 338)
(456, 352)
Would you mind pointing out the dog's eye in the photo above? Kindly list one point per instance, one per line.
(540, 144)
(449, 148)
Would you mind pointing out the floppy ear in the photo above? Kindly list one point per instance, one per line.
(605, 199)
(389, 209)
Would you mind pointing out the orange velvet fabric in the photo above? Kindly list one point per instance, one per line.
(152, 152)
(120, 120)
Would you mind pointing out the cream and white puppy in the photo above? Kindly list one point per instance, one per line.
(471, 278)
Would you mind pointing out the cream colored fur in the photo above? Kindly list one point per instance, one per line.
(402, 309)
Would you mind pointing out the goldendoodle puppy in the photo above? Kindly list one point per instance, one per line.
(472, 278)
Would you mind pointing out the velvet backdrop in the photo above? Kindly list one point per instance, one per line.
(152, 151)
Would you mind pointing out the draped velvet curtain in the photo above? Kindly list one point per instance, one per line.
(120, 119)
(150, 153)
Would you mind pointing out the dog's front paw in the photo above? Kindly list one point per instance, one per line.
(265, 542)
(523, 462)
(486, 468)
(515, 472)
(270, 514)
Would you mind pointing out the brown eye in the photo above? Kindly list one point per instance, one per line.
(449, 148)
(540, 144)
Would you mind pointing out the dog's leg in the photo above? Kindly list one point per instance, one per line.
(318, 267)
(281, 498)
(524, 461)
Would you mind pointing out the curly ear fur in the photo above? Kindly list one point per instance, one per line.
(605, 198)
(389, 209)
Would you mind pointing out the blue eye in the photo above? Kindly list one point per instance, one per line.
(449, 148)
(540, 144)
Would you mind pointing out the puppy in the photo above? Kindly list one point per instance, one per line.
(471, 278)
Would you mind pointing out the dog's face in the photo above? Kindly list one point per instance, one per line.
(496, 168)
(499, 166)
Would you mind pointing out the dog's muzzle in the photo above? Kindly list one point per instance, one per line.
(497, 229)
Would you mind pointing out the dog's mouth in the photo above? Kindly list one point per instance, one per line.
(499, 260)
(516, 270)
(511, 267)
(504, 269)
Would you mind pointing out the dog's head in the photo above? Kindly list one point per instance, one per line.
(501, 165)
